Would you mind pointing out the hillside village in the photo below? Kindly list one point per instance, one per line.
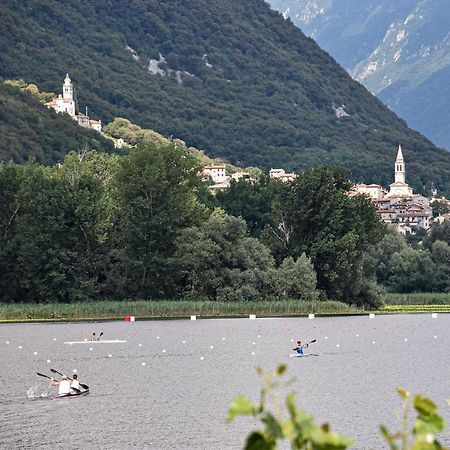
(399, 205)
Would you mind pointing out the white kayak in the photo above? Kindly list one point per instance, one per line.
(103, 341)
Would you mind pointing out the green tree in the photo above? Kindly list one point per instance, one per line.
(57, 244)
(411, 271)
(133, 134)
(378, 260)
(10, 180)
(439, 207)
(218, 260)
(440, 254)
(250, 200)
(320, 219)
(156, 190)
(297, 279)
(438, 232)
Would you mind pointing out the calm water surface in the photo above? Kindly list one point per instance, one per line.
(180, 397)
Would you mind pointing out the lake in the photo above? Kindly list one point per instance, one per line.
(170, 385)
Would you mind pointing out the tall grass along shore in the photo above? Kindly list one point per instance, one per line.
(151, 309)
(162, 309)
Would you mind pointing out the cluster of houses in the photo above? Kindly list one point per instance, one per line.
(220, 180)
(399, 205)
(66, 103)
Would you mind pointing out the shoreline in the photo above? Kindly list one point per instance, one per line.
(262, 311)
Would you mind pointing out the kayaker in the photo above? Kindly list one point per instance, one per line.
(95, 337)
(63, 385)
(74, 384)
(299, 347)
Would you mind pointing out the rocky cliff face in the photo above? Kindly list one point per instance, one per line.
(399, 50)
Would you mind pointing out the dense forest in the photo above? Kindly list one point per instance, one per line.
(144, 226)
(30, 130)
(231, 77)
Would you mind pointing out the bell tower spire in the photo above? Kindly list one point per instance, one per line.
(67, 88)
(400, 172)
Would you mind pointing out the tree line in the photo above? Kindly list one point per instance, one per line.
(144, 225)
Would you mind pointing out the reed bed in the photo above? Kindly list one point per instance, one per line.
(415, 309)
(161, 309)
(417, 299)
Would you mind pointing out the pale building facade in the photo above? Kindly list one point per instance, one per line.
(217, 173)
(280, 174)
(65, 103)
(374, 191)
(241, 176)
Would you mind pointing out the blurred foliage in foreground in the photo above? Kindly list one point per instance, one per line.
(302, 432)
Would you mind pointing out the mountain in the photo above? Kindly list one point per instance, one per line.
(399, 50)
(29, 129)
(231, 77)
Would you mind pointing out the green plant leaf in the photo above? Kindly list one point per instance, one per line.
(257, 441)
(272, 425)
(424, 405)
(281, 369)
(426, 443)
(388, 437)
(240, 406)
(324, 440)
(290, 403)
(432, 423)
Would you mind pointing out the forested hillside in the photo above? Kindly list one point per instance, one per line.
(399, 50)
(29, 129)
(231, 77)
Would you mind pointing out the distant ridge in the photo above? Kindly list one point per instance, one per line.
(231, 77)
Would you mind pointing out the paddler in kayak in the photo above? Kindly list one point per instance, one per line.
(95, 337)
(64, 386)
(75, 384)
(299, 347)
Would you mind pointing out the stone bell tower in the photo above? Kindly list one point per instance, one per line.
(400, 171)
(67, 88)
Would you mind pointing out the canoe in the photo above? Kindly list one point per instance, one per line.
(74, 394)
(104, 341)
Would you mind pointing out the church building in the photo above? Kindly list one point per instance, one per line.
(399, 188)
(65, 103)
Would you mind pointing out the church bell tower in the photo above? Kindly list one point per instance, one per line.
(67, 88)
(400, 172)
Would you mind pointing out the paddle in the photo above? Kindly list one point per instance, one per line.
(50, 378)
(84, 386)
(306, 345)
(45, 376)
(100, 335)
